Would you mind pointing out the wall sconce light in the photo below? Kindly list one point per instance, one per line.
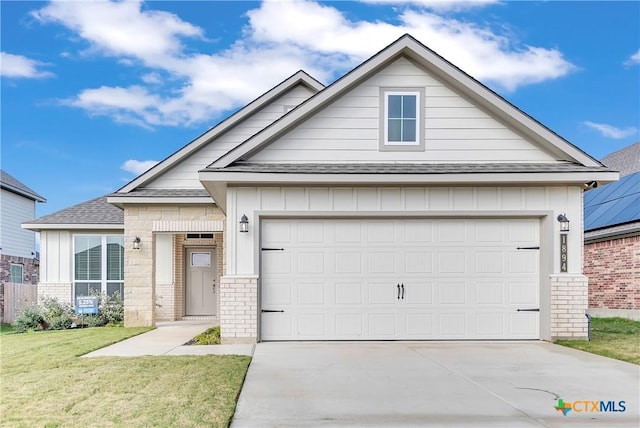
(136, 243)
(564, 223)
(244, 224)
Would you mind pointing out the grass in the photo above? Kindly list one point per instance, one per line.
(617, 338)
(6, 329)
(210, 336)
(45, 384)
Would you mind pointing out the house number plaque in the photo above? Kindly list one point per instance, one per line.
(563, 252)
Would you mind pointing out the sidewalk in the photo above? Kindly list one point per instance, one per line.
(168, 339)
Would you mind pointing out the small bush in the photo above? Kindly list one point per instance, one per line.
(92, 321)
(210, 337)
(29, 318)
(111, 309)
(58, 315)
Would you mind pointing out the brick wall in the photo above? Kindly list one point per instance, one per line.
(613, 269)
(569, 298)
(239, 309)
(63, 291)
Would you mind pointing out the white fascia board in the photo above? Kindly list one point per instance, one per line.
(244, 178)
(219, 192)
(410, 47)
(68, 226)
(298, 78)
(123, 200)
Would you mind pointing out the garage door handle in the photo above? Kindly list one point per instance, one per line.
(398, 291)
(271, 310)
(402, 285)
(529, 310)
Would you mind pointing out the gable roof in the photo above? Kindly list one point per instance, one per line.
(299, 78)
(96, 213)
(11, 184)
(441, 68)
(625, 160)
(613, 205)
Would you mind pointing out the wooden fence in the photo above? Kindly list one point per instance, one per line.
(17, 296)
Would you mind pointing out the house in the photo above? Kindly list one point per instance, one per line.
(612, 239)
(18, 255)
(404, 201)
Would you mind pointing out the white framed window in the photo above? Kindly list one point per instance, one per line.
(402, 119)
(16, 273)
(98, 264)
(202, 259)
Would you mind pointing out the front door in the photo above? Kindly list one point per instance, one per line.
(200, 290)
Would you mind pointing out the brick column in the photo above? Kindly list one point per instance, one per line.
(238, 309)
(569, 301)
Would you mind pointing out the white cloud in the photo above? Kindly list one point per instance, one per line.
(438, 5)
(611, 131)
(20, 66)
(180, 87)
(137, 167)
(633, 59)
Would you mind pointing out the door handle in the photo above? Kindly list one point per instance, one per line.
(402, 291)
(398, 291)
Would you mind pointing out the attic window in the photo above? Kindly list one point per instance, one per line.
(402, 119)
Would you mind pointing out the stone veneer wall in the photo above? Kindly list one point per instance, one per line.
(569, 298)
(139, 293)
(239, 309)
(613, 268)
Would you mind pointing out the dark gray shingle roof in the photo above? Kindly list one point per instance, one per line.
(626, 160)
(165, 193)
(96, 211)
(10, 183)
(407, 168)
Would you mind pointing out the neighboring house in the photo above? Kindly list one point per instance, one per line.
(18, 255)
(404, 201)
(18, 259)
(612, 239)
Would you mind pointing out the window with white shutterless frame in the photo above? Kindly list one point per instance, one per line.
(98, 264)
(402, 119)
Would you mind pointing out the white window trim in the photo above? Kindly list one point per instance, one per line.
(103, 263)
(396, 146)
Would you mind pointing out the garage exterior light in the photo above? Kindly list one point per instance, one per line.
(564, 223)
(244, 224)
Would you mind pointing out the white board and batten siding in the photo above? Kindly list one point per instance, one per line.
(14, 240)
(56, 256)
(455, 129)
(413, 279)
(184, 175)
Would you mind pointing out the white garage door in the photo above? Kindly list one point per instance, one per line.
(417, 279)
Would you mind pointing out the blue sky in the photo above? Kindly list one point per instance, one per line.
(93, 93)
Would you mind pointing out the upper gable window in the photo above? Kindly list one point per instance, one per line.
(402, 118)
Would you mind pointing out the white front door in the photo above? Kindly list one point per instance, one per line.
(412, 279)
(200, 289)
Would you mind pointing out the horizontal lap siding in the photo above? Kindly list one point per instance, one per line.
(15, 210)
(455, 129)
(185, 174)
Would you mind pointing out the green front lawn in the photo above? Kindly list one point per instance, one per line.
(44, 383)
(6, 329)
(617, 338)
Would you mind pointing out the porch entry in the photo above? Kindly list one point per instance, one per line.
(200, 285)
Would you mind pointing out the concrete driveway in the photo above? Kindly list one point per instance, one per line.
(433, 384)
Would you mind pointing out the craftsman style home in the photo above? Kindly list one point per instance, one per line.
(405, 201)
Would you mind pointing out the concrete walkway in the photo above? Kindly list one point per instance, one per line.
(168, 339)
(443, 384)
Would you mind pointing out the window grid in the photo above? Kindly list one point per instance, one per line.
(17, 273)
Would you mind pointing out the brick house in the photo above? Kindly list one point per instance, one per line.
(404, 201)
(612, 239)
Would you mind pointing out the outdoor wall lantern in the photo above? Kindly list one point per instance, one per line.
(244, 224)
(136, 243)
(564, 223)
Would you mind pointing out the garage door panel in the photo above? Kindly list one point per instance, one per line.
(338, 279)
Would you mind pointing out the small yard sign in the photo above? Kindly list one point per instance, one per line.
(86, 305)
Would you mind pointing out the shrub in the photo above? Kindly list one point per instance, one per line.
(92, 321)
(29, 318)
(111, 309)
(59, 316)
